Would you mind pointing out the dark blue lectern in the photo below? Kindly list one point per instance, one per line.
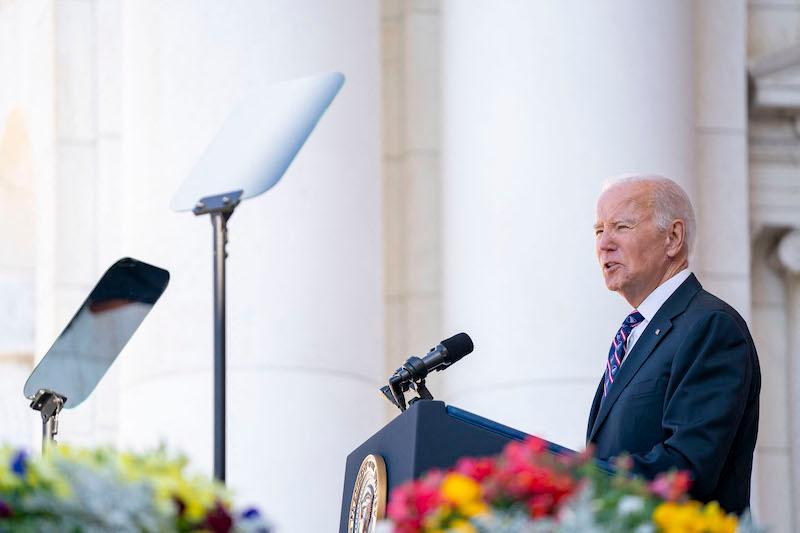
(429, 434)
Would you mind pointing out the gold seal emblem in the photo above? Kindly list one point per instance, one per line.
(368, 504)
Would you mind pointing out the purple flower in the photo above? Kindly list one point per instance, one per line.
(19, 464)
(5, 510)
(251, 513)
(254, 516)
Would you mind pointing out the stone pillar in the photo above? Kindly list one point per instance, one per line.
(541, 103)
(412, 179)
(788, 255)
(76, 203)
(771, 327)
(723, 237)
(18, 173)
(305, 345)
(17, 263)
(28, 167)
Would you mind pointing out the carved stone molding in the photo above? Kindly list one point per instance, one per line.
(774, 139)
(773, 82)
(774, 153)
(788, 252)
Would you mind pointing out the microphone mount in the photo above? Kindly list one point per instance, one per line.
(399, 383)
(411, 376)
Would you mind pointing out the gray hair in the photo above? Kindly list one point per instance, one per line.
(670, 202)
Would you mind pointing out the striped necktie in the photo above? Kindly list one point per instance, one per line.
(617, 352)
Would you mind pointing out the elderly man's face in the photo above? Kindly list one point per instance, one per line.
(631, 249)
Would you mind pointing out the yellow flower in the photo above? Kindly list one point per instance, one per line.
(462, 526)
(692, 517)
(461, 489)
(465, 494)
(473, 508)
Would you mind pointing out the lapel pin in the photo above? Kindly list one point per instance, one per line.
(658, 331)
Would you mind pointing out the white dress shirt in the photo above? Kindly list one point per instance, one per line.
(650, 306)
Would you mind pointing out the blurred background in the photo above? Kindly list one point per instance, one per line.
(450, 187)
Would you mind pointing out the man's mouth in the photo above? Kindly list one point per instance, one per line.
(610, 265)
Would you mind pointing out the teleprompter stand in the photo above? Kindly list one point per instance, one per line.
(49, 404)
(248, 156)
(220, 208)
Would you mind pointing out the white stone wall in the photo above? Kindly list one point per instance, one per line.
(305, 313)
(542, 103)
(25, 158)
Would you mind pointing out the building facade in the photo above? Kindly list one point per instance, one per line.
(450, 187)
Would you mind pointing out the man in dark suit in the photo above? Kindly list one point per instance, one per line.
(682, 380)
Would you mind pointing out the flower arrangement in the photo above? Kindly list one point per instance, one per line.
(526, 489)
(101, 490)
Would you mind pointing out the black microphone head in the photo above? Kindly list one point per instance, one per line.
(457, 347)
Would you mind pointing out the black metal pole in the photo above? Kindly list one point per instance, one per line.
(219, 221)
(220, 207)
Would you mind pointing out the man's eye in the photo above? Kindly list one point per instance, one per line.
(623, 226)
(597, 232)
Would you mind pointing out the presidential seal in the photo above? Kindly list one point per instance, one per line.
(368, 504)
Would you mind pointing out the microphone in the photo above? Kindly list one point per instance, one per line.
(443, 355)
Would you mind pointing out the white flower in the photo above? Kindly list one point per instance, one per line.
(629, 505)
(384, 526)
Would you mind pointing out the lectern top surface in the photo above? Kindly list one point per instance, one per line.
(98, 332)
(259, 139)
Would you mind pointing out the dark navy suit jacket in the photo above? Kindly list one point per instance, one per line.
(686, 397)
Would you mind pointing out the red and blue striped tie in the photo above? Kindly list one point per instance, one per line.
(617, 352)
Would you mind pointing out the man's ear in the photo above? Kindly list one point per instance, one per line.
(676, 237)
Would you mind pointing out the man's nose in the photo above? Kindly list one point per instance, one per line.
(605, 241)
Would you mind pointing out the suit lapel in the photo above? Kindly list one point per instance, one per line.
(661, 323)
(598, 398)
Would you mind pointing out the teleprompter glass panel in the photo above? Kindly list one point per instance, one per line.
(259, 139)
(99, 331)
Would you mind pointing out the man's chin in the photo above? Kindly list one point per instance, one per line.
(614, 285)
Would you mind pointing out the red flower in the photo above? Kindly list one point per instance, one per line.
(411, 502)
(671, 486)
(218, 520)
(476, 468)
(540, 505)
(536, 445)
(623, 463)
(527, 472)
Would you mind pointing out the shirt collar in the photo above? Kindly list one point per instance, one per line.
(650, 306)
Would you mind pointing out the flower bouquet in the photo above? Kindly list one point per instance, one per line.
(102, 490)
(527, 489)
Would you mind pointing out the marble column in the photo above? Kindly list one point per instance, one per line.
(412, 178)
(17, 274)
(788, 255)
(771, 481)
(17, 210)
(76, 206)
(723, 236)
(542, 102)
(305, 319)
